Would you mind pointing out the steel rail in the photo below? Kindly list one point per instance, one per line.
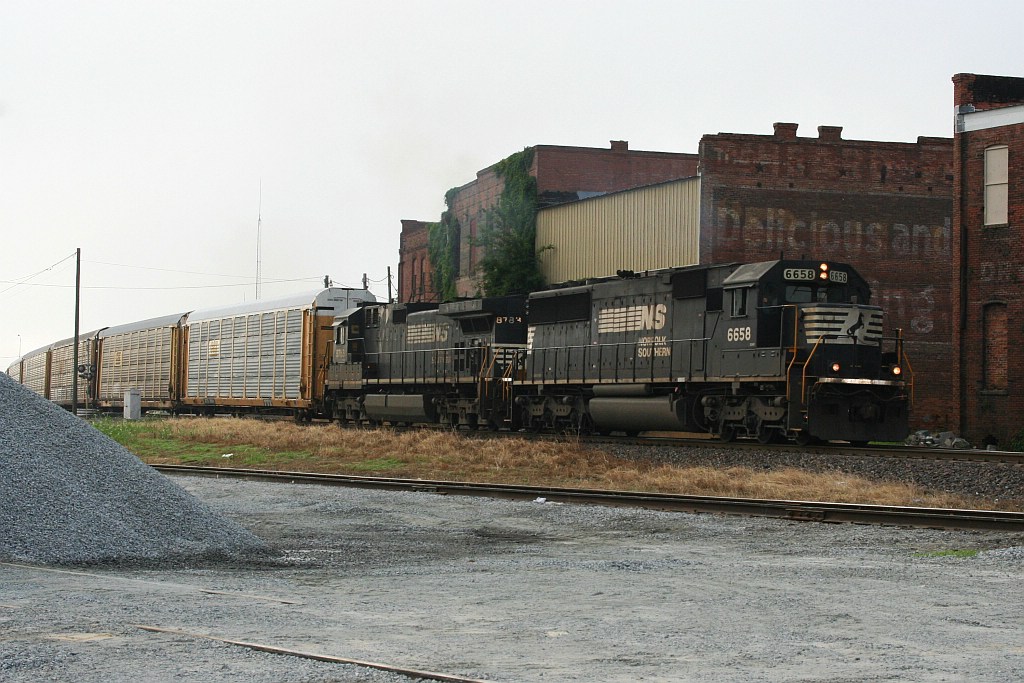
(273, 649)
(796, 510)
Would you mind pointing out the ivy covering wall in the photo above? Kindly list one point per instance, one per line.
(510, 264)
(442, 247)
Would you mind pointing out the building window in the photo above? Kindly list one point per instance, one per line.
(997, 185)
(995, 347)
(412, 287)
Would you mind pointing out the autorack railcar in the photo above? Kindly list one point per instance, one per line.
(144, 356)
(265, 356)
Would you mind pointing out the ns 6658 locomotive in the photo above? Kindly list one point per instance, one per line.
(788, 348)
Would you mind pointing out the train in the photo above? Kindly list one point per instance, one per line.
(775, 350)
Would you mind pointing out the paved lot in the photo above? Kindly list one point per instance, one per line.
(506, 591)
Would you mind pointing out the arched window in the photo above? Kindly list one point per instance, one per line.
(995, 346)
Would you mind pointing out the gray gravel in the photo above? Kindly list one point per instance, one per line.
(531, 592)
(70, 495)
(1003, 483)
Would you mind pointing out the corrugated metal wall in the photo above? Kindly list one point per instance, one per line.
(62, 371)
(254, 356)
(141, 360)
(35, 373)
(642, 229)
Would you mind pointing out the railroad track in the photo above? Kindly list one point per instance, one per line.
(804, 511)
(686, 439)
(678, 441)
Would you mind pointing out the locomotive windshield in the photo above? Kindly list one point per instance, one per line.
(825, 293)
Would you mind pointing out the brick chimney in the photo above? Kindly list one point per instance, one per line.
(786, 131)
(830, 133)
(620, 145)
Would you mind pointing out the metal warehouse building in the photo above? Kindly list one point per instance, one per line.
(651, 227)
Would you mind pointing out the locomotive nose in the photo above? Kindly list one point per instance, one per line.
(869, 412)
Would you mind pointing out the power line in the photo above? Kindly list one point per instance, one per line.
(111, 287)
(24, 280)
(167, 270)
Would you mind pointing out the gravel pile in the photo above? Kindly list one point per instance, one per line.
(998, 482)
(70, 495)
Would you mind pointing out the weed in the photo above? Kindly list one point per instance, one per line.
(444, 454)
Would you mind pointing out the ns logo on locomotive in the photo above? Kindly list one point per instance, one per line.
(770, 350)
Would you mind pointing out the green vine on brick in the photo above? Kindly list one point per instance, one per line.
(442, 244)
(511, 263)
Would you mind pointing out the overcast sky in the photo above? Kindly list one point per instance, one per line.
(142, 132)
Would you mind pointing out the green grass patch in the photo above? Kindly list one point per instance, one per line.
(948, 553)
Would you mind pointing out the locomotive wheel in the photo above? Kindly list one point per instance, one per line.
(767, 435)
(727, 434)
(805, 438)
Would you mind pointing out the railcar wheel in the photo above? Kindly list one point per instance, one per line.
(859, 444)
(727, 434)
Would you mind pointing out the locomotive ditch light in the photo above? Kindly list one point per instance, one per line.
(897, 370)
(835, 367)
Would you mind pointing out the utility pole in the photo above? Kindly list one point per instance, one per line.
(390, 300)
(74, 355)
(259, 240)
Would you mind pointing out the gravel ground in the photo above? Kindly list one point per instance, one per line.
(513, 591)
(991, 481)
(70, 495)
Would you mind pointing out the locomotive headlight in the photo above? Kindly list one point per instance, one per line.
(835, 367)
(897, 370)
(823, 267)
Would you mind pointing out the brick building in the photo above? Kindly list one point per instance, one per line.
(563, 174)
(988, 258)
(414, 271)
(884, 207)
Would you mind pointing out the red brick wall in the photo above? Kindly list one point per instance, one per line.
(563, 174)
(469, 205)
(885, 208)
(572, 170)
(989, 266)
(414, 271)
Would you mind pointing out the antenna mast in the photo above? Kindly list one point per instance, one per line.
(259, 228)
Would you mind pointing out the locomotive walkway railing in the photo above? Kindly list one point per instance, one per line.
(655, 361)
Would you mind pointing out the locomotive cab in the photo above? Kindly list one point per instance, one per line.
(839, 383)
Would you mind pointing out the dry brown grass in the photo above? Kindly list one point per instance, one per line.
(435, 454)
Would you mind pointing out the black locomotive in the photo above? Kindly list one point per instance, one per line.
(788, 348)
